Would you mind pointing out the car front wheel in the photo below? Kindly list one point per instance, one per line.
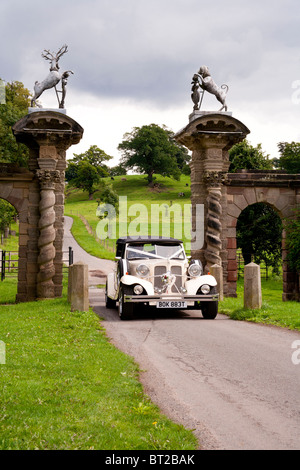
(109, 303)
(209, 310)
(125, 309)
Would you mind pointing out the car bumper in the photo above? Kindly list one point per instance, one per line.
(153, 299)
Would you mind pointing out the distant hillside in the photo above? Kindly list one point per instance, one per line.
(169, 197)
(136, 189)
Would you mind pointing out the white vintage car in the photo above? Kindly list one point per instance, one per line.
(156, 272)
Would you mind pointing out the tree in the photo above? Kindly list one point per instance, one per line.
(117, 170)
(7, 214)
(289, 157)
(86, 169)
(259, 233)
(244, 156)
(17, 101)
(151, 149)
(95, 157)
(86, 178)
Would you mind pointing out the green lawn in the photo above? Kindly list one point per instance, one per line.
(12, 242)
(65, 386)
(273, 311)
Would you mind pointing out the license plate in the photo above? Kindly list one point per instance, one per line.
(171, 304)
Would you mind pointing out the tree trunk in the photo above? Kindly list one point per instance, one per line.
(150, 176)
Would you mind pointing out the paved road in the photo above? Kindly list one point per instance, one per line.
(233, 382)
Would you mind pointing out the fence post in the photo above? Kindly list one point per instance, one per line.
(70, 256)
(3, 266)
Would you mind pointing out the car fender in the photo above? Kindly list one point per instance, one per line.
(129, 280)
(110, 282)
(193, 284)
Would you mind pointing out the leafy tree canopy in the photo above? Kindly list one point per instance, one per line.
(117, 170)
(152, 149)
(7, 214)
(17, 101)
(86, 170)
(244, 156)
(289, 157)
(94, 156)
(259, 233)
(89, 165)
(85, 177)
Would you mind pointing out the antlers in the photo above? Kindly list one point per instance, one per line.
(62, 51)
(50, 55)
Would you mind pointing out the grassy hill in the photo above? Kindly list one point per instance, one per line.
(150, 210)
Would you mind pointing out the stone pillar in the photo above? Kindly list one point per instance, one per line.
(47, 134)
(210, 135)
(217, 272)
(252, 286)
(78, 288)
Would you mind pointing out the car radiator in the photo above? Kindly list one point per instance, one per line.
(160, 270)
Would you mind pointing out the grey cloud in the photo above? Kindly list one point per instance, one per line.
(149, 50)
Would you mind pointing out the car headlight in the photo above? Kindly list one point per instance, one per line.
(195, 270)
(142, 270)
(205, 289)
(138, 290)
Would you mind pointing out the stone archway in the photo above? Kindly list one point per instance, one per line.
(38, 196)
(282, 192)
(210, 136)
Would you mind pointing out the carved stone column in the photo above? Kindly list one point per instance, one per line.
(46, 272)
(210, 135)
(213, 180)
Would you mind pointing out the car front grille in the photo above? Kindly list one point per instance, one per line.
(160, 270)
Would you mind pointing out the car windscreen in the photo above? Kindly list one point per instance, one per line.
(154, 250)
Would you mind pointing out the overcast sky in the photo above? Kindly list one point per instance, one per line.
(133, 61)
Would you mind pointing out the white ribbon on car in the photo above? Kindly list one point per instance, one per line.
(169, 280)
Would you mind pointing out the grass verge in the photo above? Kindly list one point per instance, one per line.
(64, 386)
(88, 241)
(273, 312)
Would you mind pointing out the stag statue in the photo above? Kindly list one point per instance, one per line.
(53, 78)
(207, 84)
